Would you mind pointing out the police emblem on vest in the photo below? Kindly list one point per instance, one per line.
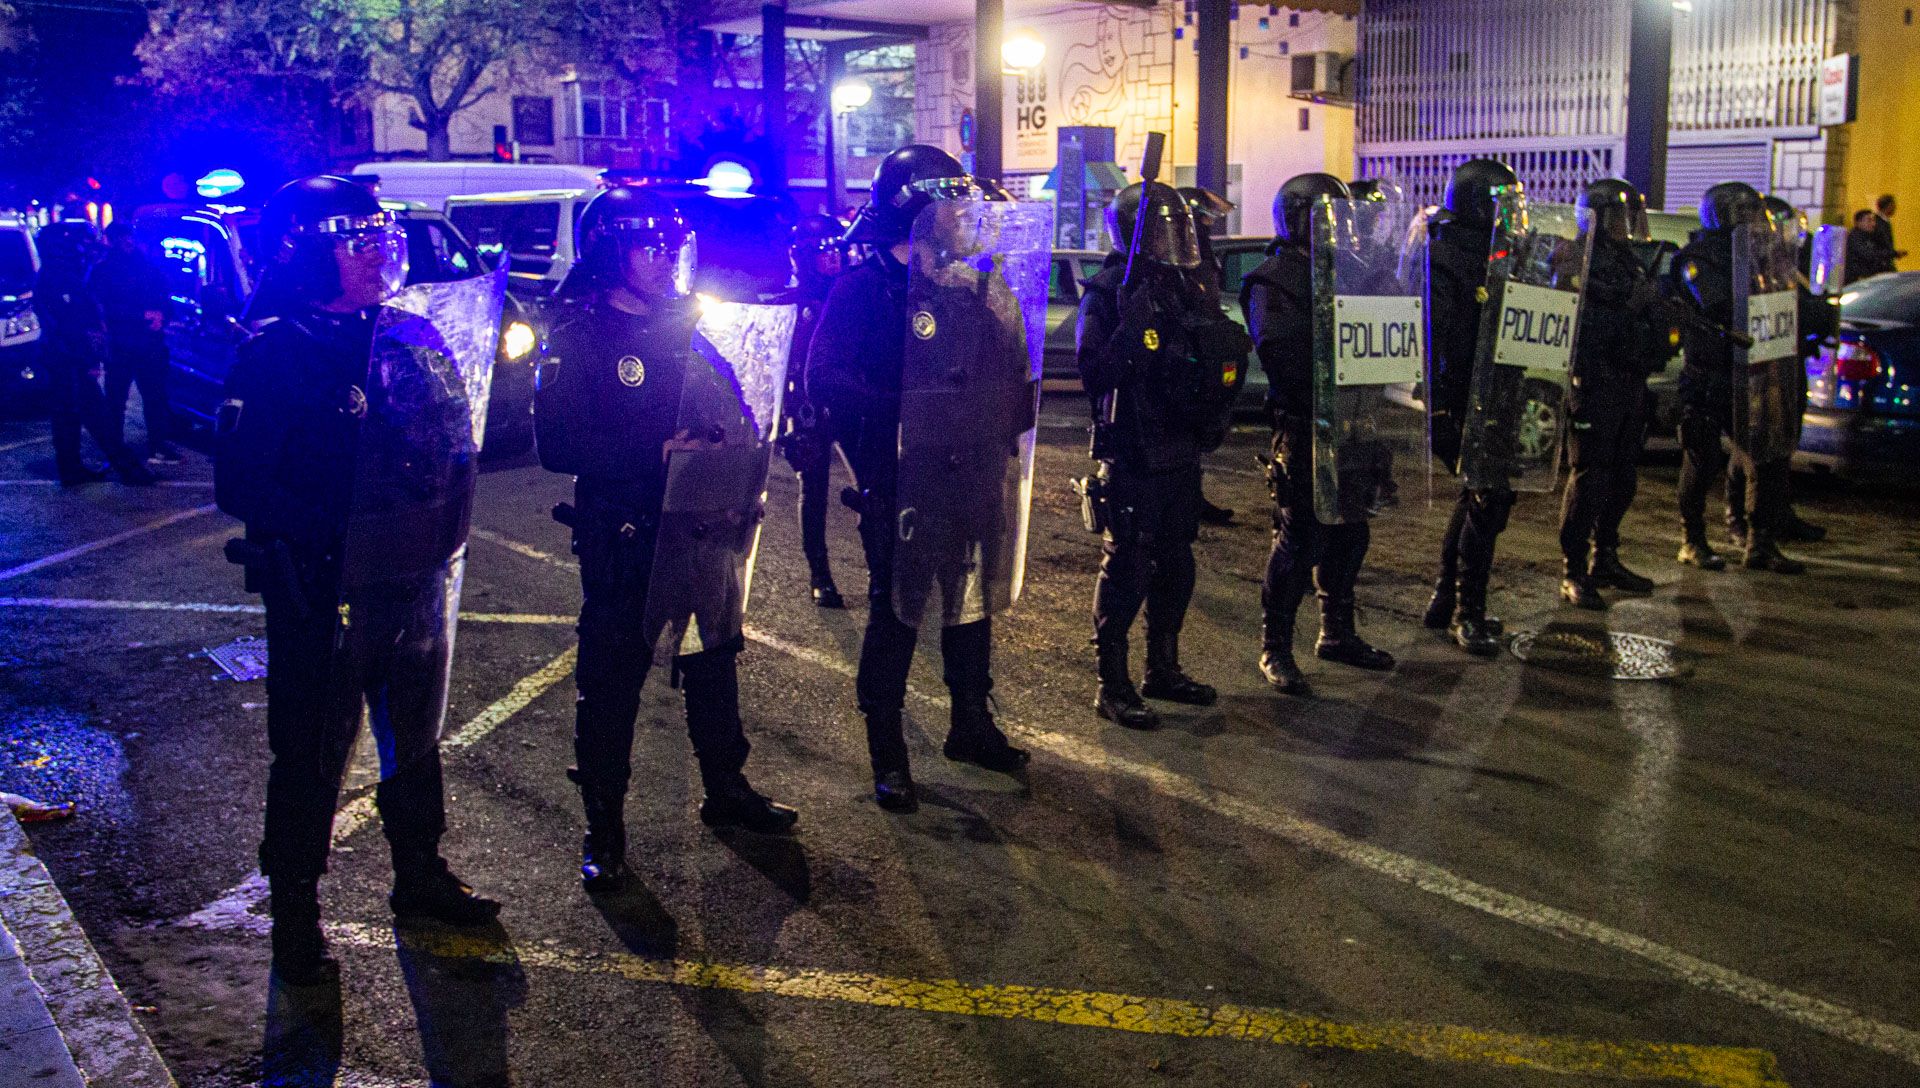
(923, 325)
(631, 370)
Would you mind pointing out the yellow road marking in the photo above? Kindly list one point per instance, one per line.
(1709, 1066)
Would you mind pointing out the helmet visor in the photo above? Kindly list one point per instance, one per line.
(360, 236)
(1164, 232)
(654, 252)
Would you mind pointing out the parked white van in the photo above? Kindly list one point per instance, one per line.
(431, 183)
(532, 227)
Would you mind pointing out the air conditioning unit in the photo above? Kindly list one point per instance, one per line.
(1323, 77)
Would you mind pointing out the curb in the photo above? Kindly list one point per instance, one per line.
(86, 1019)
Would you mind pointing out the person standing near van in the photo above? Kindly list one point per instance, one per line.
(133, 299)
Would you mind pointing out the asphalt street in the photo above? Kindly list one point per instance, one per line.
(1461, 872)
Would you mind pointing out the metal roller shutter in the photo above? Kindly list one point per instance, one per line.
(1693, 168)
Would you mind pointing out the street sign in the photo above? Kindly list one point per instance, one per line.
(1839, 89)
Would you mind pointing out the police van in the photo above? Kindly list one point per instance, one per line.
(20, 375)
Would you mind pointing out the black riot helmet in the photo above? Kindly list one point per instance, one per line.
(905, 182)
(1376, 190)
(1729, 204)
(1470, 190)
(623, 221)
(1209, 209)
(1612, 208)
(818, 248)
(1169, 237)
(307, 225)
(1790, 221)
(1293, 204)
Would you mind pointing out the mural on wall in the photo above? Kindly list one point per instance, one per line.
(1103, 66)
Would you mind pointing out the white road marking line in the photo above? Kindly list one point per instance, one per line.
(21, 445)
(534, 619)
(1851, 564)
(235, 908)
(526, 550)
(105, 542)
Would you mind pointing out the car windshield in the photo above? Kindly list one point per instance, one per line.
(529, 233)
(16, 263)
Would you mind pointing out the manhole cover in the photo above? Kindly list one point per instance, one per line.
(242, 659)
(1617, 654)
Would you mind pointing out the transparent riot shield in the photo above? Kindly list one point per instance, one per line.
(1522, 373)
(1369, 351)
(1827, 263)
(423, 412)
(1766, 303)
(716, 488)
(969, 406)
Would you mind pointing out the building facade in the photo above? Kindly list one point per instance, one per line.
(1543, 86)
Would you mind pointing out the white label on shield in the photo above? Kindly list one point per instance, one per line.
(1773, 320)
(1377, 340)
(1536, 328)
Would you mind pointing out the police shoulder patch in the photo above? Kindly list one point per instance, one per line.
(1151, 339)
(924, 326)
(356, 402)
(631, 370)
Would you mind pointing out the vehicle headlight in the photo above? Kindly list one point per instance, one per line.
(518, 341)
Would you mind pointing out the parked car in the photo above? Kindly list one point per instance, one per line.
(209, 256)
(1863, 406)
(21, 380)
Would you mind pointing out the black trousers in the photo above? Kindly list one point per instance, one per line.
(616, 653)
(1473, 532)
(1703, 458)
(389, 660)
(1146, 556)
(887, 645)
(1738, 506)
(141, 357)
(1306, 551)
(75, 402)
(1604, 444)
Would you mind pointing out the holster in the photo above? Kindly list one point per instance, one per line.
(269, 567)
(1095, 513)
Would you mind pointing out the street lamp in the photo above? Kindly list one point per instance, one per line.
(1022, 52)
(850, 95)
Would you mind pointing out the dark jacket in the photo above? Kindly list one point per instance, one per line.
(854, 361)
(71, 329)
(1277, 299)
(1456, 285)
(1171, 360)
(129, 286)
(1703, 272)
(287, 435)
(607, 399)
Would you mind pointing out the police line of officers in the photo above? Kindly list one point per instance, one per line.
(348, 443)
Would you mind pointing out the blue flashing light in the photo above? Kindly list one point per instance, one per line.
(219, 183)
(726, 178)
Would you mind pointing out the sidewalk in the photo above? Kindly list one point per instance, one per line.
(63, 1022)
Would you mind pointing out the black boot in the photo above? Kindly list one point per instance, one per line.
(1214, 515)
(743, 808)
(299, 948)
(1607, 570)
(887, 748)
(1470, 631)
(1764, 554)
(423, 887)
(603, 864)
(1165, 678)
(1581, 590)
(1441, 606)
(825, 593)
(1117, 700)
(1276, 656)
(1340, 641)
(1696, 552)
(974, 738)
(1737, 531)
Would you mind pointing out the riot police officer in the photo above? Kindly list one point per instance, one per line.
(1623, 342)
(1461, 238)
(854, 370)
(1160, 362)
(1277, 299)
(1703, 270)
(297, 441)
(72, 342)
(607, 411)
(819, 255)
